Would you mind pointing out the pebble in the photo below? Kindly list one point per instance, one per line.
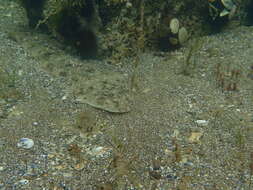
(98, 151)
(25, 143)
(171, 177)
(64, 97)
(35, 123)
(23, 182)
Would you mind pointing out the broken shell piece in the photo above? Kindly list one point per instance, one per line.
(174, 25)
(202, 122)
(195, 136)
(98, 151)
(25, 143)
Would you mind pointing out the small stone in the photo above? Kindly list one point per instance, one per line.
(25, 143)
(64, 97)
(35, 123)
(1, 168)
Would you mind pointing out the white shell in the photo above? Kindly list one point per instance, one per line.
(202, 122)
(25, 143)
(174, 25)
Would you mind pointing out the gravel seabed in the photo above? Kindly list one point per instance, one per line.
(160, 144)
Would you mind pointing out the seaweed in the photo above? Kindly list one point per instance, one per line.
(189, 64)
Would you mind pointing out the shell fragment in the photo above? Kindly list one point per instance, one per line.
(25, 143)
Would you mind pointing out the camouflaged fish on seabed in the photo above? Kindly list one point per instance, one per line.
(106, 91)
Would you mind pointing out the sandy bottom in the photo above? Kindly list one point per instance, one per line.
(99, 126)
